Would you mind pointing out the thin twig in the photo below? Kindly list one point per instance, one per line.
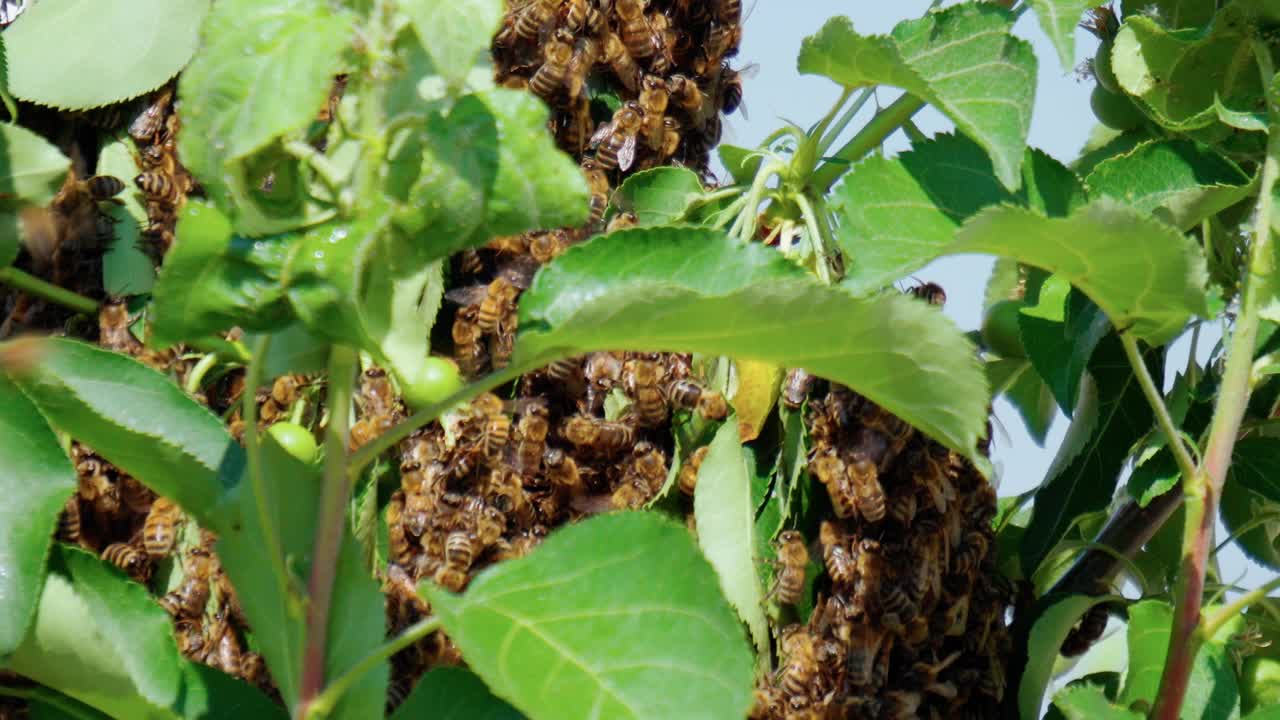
(32, 285)
(1229, 611)
(325, 701)
(1171, 432)
(867, 139)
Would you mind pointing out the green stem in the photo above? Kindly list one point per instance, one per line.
(319, 162)
(1163, 419)
(1227, 612)
(196, 376)
(329, 525)
(70, 706)
(747, 226)
(257, 481)
(33, 285)
(830, 138)
(821, 243)
(1203, 489)
(324, 702)
(226, 350)
(384, 442)
(809, 150)
(868, 138)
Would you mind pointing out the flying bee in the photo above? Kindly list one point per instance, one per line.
(864, 479)
(633, 26)
(556, 56)
(615, 141)
(148, 123)
(622, 221)
(160, 531)
(801, 662)
(586, 50)
(103, 187)
(641, 380)
(620, 61)
(793, 556)
(598, 184)
(128, 558)
(562, 471)
(533, 429)
(159, 187)
(688, 477)
(840, 564)
(971, 553)
(931, 293)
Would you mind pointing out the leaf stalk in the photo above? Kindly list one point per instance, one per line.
(32, 285)
(867, 139)
(324, 702)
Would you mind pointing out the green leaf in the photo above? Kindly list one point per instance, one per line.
(618, 616)
(1212, 691)
(897, 215)
(1252, 490)
(105, 52)
(1111, 415)
(293, 350)
(31, 169)
(695, 290)
(1058, 20)
(1027, 392)
(1145, 275)
(213, 280)
(456, 34)
(126, 268)
(453, 693)
(1060, 333)
(1178, 181)
(1051, 627)
(37, 479)
(963, 60)
(742, 163)
(658, 196)
(1172, 13)
(400, 300)
(726, 517)
(1088, 702)
(1179, 74)
(139, 420)
(1155, 476)
(490, 168)
(104, 641)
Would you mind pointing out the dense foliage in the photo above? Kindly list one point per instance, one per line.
(426, 339)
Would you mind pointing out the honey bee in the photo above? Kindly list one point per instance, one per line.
(586, 50)
(188, 599)
(841, 566)
(793, 556)
(528, 22)
(467, 351)
(897, 608)
(933, 477)
(730, 91)
(69, 522)
(494, 300)
(971, 553)
(797, 387)
(728, 11)
(801, 662)
(686, 94)
(622, 221)
(190, 639)
(159, 187)
(649, 465)
(931, 293)
(864, 647)
(398, 544)
(868, 492)
(128, 558)
(831, 472)
(578, 15)
(593, 433)
(1086, 632)
(688, 478)
(151, 120)
(870, 571)
(670, 138)
(598, 184)
(103, 187)
(641, 379)
(160, 531)
(451, 578)
(602, 370)
(506, 492)
(722, 41)
(533, 429)
(550, 76)
(562, 471)
(252, 668)
(654, 98)
(615, 141)
(225, 653)
(620, 61)
(459, 549)
(497, 425)
(689, 395)
(902, 508)
(956, 617)
(135, 495)
(633, 26)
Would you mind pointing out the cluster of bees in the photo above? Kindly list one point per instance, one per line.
(162, 180)
(129, 526)
(909, 619)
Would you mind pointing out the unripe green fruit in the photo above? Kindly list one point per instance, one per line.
(295, 440)
(1114, 110)
(1102, 69)
(1000, 331)
(1259, 683)
(433, 380)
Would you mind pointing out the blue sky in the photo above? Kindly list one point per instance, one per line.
(1060, 125)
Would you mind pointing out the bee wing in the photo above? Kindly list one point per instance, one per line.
(627, 153)
(519, 271)
(467, 295)
(600, 134)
